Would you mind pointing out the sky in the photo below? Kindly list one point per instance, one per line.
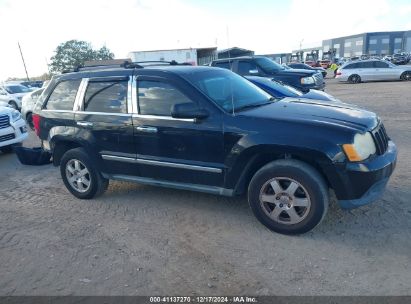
(265, 26)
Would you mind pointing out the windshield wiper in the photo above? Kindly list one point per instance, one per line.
(253, 105)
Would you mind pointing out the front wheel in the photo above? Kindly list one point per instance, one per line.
(288, 196)
(80, 175)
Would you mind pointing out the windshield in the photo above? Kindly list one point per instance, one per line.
(229, 90)
(14, 89)
(269, 65)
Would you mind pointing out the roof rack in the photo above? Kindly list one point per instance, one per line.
(126, 64)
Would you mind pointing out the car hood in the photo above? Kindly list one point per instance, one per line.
(316, 111)
(5, 110)
(295, 72)
(320, 96)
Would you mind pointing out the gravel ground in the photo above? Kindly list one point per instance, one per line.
(142, 240)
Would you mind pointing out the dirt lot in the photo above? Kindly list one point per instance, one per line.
(141, 240)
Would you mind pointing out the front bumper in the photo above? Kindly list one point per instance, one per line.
(365, 182)
(16, 133)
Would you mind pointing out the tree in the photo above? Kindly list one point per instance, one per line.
(73, 53)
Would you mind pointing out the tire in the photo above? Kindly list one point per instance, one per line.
(14, 105)
(276, 189)
(406, 76)
(6, 149)
(29, 120)
(90, 182)
(354, 78)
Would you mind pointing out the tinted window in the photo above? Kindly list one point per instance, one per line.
(352, 66)
(158, 98)
(365, 65)
(244, 67)
(63, 95)
(224, 65)
(108, 97)
(380, 64)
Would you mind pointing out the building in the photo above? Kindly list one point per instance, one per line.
(376, 43)
(196, 56)
(234, 52)
(280, 58)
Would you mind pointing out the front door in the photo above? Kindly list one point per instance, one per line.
(176, 150)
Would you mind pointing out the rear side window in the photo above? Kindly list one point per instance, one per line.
(352, 66)
(106, 97)
(158, 98)
(366, 65)
(224, 65)
(380, 64)
(63, 95)
(244, 67)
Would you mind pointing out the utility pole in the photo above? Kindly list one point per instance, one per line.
(22, 58)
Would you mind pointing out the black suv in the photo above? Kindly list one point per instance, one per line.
(304, 80)
(210, 130)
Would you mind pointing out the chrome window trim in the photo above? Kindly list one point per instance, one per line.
(59, 111)
(161, 163)
(78, 104)
(104, 113)
(152, 117)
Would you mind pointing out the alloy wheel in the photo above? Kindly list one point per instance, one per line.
(78, 175)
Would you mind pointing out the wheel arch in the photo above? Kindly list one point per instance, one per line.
(318, 160)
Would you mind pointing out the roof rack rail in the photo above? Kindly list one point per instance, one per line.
(126, 64)
(89, 67)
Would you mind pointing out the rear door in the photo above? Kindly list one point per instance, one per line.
(105, 120)
(367, 71)
(186, 151)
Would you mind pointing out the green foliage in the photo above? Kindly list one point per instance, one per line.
(75, 52)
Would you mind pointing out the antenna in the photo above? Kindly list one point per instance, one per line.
(22, 58)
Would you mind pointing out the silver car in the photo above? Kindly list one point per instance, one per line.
(372, 70)
(27, 105)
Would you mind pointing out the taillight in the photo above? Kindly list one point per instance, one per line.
(36, 123)
(338, 73)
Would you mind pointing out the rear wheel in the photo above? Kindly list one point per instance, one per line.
(288, 196)
(354, 78)
(80, 175)
(406, 76)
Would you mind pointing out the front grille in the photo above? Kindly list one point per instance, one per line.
(4, 121)
(381, 139)
(7, 137)
(318, 78)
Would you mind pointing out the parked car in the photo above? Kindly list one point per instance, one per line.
(303, 66)
(399, 58)
(12, 128)
(281, 90)
(372, 70)
(325, 63)
(27, 106)
(387, 58)
(12, 94)
(262, 66)
(207, 129)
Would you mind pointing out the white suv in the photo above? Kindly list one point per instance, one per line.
(12, 128)
(13, 93)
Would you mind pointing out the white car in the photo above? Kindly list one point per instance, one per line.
(372, 70)
(27, 105)
(13, 128)
(12, 94)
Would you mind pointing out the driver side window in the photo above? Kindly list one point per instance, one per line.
(244, 67)
(158, 98)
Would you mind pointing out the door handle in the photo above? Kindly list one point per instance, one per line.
(86, 124)
(147, 129)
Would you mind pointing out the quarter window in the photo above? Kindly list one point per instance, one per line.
(380, 64)
(63, 96)
(223, 64)
(158, 98)
(107, 97)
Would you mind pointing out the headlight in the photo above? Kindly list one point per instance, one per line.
(362, 147)
(307, 80)
(15, 115)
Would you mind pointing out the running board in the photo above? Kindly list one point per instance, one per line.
(169, 184)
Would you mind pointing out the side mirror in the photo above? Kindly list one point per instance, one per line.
(253, 72)
(188, 110)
